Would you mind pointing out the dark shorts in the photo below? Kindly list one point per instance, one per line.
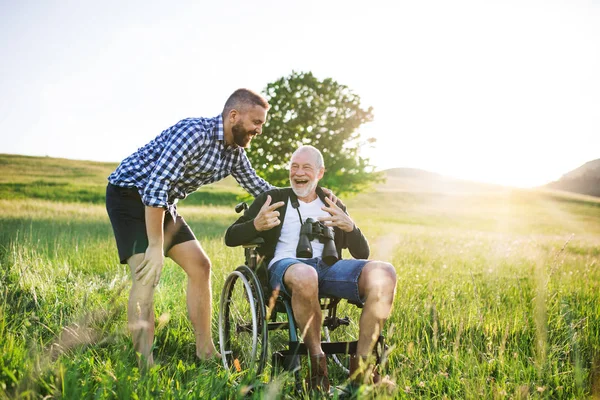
(339, 280)
(127, 215)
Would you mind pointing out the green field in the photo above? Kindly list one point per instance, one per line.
(498, 290)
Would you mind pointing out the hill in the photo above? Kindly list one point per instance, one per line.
(81, 181)
(583, 180)
(418, 180)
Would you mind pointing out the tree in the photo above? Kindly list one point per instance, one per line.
(324, 114)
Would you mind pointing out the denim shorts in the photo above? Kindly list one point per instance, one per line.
(339, 280)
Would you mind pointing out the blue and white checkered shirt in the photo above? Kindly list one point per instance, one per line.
(182, 158)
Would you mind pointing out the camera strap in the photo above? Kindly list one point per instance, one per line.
(296, 205)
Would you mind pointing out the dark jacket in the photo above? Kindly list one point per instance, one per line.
(243, 230)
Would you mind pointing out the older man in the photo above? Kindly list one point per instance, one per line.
(277, 216)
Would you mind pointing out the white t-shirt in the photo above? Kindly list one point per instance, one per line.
(290, 231)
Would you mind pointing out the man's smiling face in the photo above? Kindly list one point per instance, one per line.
(304, 174)
(248, 124)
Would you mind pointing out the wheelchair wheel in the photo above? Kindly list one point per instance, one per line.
(242, 328)
(340, 360)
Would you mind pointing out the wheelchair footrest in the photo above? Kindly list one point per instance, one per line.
(297, 348)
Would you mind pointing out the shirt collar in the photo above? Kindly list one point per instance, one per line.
(221, 136)
(219, 129)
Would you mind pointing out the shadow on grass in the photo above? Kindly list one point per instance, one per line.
(573, 200)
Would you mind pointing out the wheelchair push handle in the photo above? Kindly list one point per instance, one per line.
(241, 207)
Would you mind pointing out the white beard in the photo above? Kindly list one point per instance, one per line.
(303, 192)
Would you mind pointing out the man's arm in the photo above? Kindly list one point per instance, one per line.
(358, 244)
(184, 140)
(247, 177)
(150, 269)
(261, 216)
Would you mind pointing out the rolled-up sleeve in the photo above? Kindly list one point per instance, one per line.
(182, 141)
(246, 176)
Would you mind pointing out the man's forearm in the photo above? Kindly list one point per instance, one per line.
(358, 244)
(154, 225)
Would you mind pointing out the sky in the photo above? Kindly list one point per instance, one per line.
(503, 92)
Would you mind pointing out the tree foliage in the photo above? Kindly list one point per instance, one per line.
(324, 114)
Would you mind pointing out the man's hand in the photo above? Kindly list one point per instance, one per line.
(329, 193)
(267, 217)
(150, 269)
(338, 217)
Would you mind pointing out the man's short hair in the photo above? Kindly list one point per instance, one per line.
(243, 98)
(317, 154)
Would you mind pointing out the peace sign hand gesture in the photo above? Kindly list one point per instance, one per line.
(337, 217)
(267, 217)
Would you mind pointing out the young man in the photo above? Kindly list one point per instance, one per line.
(141, 202)
(277, 217)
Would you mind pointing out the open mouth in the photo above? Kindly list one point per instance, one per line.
(301, 182)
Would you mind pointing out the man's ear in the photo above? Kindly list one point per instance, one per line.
(321, 173)
(233, 115)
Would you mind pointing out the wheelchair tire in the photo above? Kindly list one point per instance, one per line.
(242, 326)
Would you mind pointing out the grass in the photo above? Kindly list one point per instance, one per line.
(498, 292)
(75, 181)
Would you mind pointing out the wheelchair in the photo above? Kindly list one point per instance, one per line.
(257, 330)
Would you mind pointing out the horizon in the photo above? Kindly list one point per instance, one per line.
(453, 90)
(403, 168)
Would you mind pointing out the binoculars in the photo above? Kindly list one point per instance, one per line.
(310, 230)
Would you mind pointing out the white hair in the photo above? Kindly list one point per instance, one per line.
(316, 153)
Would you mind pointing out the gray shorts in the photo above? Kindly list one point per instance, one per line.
(127, 216)
(339, 280)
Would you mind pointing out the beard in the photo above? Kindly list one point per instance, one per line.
(240, 135)
(307, 189)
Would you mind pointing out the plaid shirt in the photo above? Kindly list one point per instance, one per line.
(182, 158)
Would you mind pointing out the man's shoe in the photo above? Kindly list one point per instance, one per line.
(362, 372)
(318, 380)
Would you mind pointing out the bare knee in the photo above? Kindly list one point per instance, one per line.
(143, 295)
(140, 293)
(378, 281)
(191, 257)
(199, 270)
(302, 281)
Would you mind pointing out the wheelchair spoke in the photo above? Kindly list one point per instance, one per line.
(241, 324)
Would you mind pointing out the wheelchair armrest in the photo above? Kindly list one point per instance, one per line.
(254, 243)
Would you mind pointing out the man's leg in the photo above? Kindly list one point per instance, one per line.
(196, 264)
(140, 314)
(377, 285)
(302, 282)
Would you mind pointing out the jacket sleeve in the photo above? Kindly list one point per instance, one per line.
(355, 241)
(243, 230)
(357, 244)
